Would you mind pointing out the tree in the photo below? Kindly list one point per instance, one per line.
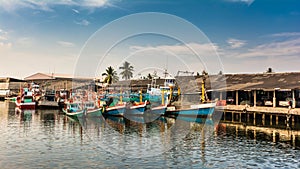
(149, 76)
(204, 73)
(127, 71)
(269, 70)
(111, 75)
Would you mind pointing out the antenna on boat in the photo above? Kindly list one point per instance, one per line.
(166, 73)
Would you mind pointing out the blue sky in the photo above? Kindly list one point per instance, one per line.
(248, 35)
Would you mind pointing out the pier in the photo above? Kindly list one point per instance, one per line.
(261, 116)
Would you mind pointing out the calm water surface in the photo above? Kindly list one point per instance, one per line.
(49, 139)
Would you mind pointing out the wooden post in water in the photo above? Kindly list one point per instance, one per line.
(171, 92)
(254, 118)
(274, 136)
(294, 100)
(294, 140)
(254, 98)
(274, 98)
(237, 97)
(248, 117)
(271, 120)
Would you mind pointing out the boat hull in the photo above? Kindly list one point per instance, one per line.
(160, 110)
(48, 104)
(195, 110)
(115, 111)
(137, 110)
(26, 106)
(75, 114)
(94, 113)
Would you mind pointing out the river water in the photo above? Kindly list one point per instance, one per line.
(49, 139)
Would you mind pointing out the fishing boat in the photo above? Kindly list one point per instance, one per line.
(114, 106)
(158, 110)
(26, 100)
(92, 109)
(204, 109)
(61, 97)
(48, 100)
(137, 108)
(117, 110)
(74, 110)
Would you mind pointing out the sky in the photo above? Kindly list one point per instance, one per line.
(232, 36)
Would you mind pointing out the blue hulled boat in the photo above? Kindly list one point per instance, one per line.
(137, 109)
(203, 109)
(117, 110)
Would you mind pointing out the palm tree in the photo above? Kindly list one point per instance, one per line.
(111, 75)
(127, 70)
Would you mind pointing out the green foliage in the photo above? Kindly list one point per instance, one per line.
(127, 71)
(111, 75)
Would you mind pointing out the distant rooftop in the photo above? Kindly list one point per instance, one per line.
(49, 76)
(258, 81)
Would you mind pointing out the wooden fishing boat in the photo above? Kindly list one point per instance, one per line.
(117, 110)
(26, 100)
(79, 109)
(159, 110)
(74, 110)
(48, 100)
(203, 109)
(137, 108)
(92, 109)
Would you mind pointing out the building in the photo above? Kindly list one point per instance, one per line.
(55, 81)
(10, 86)
(262, 89)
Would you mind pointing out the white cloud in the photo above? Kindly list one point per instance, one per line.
(76, 11)
(236, 43)
(25, 41)
(286, 34)
(248, 2)
(284, 48)
(4, 43)
(11, 5)
(65, 44)
(206, 48)
(94, 3)
(2, 38)
(83, 22)
(5, 46)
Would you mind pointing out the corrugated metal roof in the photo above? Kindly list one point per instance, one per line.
(262, 81)
(49, 76)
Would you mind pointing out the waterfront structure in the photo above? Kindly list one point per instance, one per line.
(10, 87)
(57, 81)
(261, 89)
(51, 81)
